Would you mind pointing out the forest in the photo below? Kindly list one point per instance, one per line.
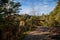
(13, 26)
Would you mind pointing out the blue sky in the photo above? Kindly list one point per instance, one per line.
(37, 7)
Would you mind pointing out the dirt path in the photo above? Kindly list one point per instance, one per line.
(36, 35)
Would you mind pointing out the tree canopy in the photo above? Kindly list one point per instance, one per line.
(9, 6)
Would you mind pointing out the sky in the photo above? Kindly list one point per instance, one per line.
(37, 7)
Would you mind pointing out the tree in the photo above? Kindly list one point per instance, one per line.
(33, 22)
(56, 12)
(9, 6)
(9, 24)
(43, 20)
